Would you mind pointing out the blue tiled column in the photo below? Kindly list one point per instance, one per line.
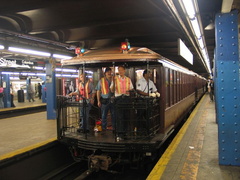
(51, 91)
(227, 88)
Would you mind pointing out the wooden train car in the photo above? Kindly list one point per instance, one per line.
(150, 120)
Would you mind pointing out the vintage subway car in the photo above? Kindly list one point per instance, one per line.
(150, 120)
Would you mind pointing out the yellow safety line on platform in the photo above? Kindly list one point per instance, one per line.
(23, 107)
(25, 149)
(161, 165)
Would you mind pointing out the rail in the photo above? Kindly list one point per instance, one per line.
(135, 117)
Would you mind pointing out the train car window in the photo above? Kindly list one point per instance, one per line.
(188, 84)
(177, 80)
(155, 76)
(185, 85)
(171, 87)
(139, 74)
(167, 89)
(175, 86)
(180, 86)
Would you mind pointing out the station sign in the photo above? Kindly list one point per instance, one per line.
(16, 63)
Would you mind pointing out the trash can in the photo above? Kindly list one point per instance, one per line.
(20, 96)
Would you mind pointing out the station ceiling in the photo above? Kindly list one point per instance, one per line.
(61, 25)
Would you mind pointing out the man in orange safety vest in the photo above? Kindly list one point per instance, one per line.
(86, 93)
(104, 96)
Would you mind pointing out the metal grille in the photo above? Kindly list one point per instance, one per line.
(136, 117)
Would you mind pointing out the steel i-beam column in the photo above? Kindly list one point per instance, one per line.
(227, 89)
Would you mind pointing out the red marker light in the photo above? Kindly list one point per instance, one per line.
(78, 50)
(124, 46)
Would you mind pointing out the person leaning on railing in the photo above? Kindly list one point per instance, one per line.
(86, 92)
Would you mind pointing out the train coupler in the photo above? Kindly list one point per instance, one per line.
(99, 162)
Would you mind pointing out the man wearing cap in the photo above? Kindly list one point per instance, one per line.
(146, 87)
(104, 95)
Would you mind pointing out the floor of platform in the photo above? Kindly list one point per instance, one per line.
(193, 154)
(21, 132)
(25, 104)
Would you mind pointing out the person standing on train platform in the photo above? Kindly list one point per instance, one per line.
(39, 91)
(121, 87)
(86, 93)
(30, 92)
(1, 97)
(145, 86)
(211, 90)
(12, 96)
(104, 96)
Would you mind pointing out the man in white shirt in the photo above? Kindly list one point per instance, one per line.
(145, 86)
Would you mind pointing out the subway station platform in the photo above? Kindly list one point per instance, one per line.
(21, 133)
(22, 106)
(193, 154)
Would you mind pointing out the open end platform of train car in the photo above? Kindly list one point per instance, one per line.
(105, 140)
(193, 154)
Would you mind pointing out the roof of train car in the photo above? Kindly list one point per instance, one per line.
(113, 54)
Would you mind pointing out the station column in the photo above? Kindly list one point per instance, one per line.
(51, 89)
(227, 89)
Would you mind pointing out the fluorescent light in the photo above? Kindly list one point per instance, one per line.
(69, 70)
(7, 72)
(41, 74)
(61, 56)
(1, 47)
(196, 28)
(28, 51)
(13, 73)
(189, 7)
(201, 44)
(90, 72)
(66, 75)
(66, 70)
(58, 69)
(14, 78)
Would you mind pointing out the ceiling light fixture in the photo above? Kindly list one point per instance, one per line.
(59, 56)
(1, 47)
(28, 51)
(192, 12)
(66, 70)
